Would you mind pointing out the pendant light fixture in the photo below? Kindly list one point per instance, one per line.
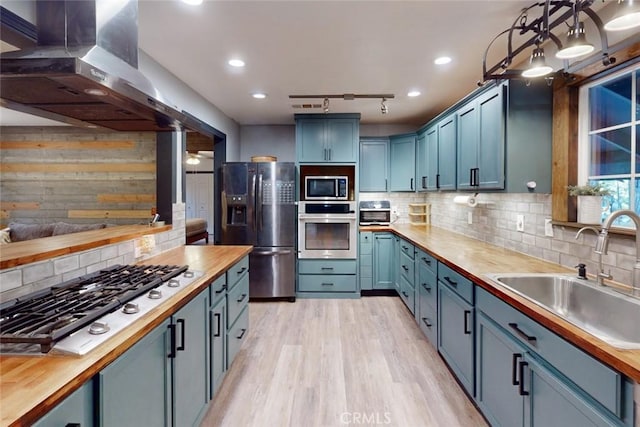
(626, 17)
(577, 44)
(537, 64)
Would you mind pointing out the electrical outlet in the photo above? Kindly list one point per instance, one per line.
(469, 217)
(548, 227)
(520, 223)
(394, 210)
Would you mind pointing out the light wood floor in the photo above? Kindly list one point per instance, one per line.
(335, 363)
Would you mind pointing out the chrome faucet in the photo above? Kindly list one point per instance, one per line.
(601, 274)
(602, 244)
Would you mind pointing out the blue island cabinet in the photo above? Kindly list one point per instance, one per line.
(327, 138)
(75, 410)
(163, 379)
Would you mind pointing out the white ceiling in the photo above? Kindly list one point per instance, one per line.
(325, 47)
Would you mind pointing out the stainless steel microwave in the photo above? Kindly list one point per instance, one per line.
(326, 188)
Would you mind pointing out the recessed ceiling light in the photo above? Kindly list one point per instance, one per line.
(414, 93)
(259, 95)
(236, 63)
(442, 60)
(193, 2)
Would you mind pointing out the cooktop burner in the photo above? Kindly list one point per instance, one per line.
(46, 316)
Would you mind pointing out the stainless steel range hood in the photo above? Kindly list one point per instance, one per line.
(84, 71)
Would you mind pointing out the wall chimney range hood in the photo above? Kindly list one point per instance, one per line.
(84, 71)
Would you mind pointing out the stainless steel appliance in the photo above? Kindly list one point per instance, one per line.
(258, 208)
(326, 188)
(375, 212)
(327, 230)
(78, 315)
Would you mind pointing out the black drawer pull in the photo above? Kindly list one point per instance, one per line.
(406, 295)
(241, 334)
(522, 334)
(451, 282)
(242, 297)
(514, 368)
(405, 268)
(221, 290)
(242, 270)
(73, 425)
(327, 284)
(427, 322)
(326, 268)
(521, 389)
(466, 322)
(426, 261)
(426, 287)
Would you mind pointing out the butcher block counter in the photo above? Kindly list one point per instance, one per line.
(474, 259)
(31, 386)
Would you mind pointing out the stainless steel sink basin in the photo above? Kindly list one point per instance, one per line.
(602, 312)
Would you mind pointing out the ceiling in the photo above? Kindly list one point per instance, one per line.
(325, 47)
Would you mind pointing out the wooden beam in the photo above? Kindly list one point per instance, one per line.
(13, 206)
(198, 142)
(126, 198)
(77, 167)
(67, 145)
(623, 55)
(111, 213)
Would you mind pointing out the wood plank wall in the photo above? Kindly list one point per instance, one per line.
(76, 176)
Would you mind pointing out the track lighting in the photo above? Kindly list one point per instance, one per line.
(576, 44)
(345, 97)
(537, 64)
(383, 107)
(325, 105)
(627, 16)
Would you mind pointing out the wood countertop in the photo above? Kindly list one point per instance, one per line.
(474, 259)
(28, 251)
(30, 386)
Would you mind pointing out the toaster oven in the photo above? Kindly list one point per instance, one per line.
(375, 213)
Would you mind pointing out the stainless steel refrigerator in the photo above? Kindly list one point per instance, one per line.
(258, 208)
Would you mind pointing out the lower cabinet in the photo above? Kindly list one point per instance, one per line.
(365, 260)
(75, 410)
(218, 328)
(327, 278)
(382, 254)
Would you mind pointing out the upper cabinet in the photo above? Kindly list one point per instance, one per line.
(436, 156)
(403, 166)
(504, 138)
(374, 164)
(327, 138)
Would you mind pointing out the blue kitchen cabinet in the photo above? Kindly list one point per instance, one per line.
(331, 278)
(374, 164)
(395, 264)
(526, 375)
(382, 254)
(436, 156)
(136, 389)
(456, 324)
(365, 260)
(447, 153)
(422, 159)
(75, 409)
(218, 328)
(403, 163)
(481, 142)
(327, 138)
(237, 308)
(407, 274)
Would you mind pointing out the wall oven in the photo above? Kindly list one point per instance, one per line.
(327, 230)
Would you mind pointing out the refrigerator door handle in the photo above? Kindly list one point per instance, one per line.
(278, 252)
(224, 210)
(253, 185)
(259, 202)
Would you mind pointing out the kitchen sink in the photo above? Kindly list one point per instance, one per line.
(600, 311)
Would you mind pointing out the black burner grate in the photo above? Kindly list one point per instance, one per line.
(47, 316)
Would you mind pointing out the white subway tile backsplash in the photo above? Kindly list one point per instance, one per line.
(10, 279)
(65, 264)
(38, 271)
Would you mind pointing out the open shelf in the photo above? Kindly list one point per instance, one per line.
(419, 213)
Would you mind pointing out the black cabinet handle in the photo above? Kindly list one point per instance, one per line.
(424, 182)
(242, 297)
(327, 268)
(406, 295)
(437, 180)
(427, 322)
(451, 282)
(182, 324)
(172, 341)
(221, 290)
(242, 270)
(405, 268)
(412, 183)
(242, 331)
(327, 284)
(218, 317)
(477, 177)
(514, 368)
(385, 184)
(426, 288)
(471, 177)
(406, 248)
(466, 322)
(426, 261)
(522, 334)
(73, 425)
(521, 390)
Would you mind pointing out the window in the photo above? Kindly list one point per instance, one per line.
(610, 139)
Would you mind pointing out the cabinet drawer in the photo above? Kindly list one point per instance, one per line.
(236, 335)
(236, 271)
(426, 260)
(366, 242)
(408, 294)
(406, 267)
(327, 283)
(407, 248)
(328, 266)
(427, 316)
(458, 283)
(427, 284)
(237, 299)
(216, 289)
(598, 380)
